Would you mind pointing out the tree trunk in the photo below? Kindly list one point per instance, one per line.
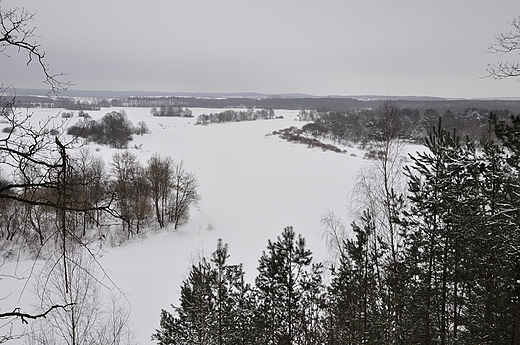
(517, 326)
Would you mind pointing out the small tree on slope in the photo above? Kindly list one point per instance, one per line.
(214, 305)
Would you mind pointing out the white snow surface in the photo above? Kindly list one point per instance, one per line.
(251, 184)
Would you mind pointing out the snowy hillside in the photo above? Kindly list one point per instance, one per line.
(252, 185)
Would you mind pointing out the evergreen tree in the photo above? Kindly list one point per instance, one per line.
(215, 306)
(313, 304)
(497, 296)
(353, 296)
(281, 287)
(193, 321)
(233, 320)
(441, 195)
(462, 234)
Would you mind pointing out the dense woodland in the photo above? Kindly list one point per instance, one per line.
(431, 259)
(366, 125)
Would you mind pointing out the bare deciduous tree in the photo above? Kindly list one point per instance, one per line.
(334, 232)
(184, 194)
(131, 189)
(89, 180)
(142, 128)
(17, 34)
(159, 173)
(92, 314)
(33, 155)
(380, 189)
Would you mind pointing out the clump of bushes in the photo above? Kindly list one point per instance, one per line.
(293, 134)
(171, 111)
(84, 114)
(70, 114)
(114, 129)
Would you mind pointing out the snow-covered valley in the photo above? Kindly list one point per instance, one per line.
(252, 184)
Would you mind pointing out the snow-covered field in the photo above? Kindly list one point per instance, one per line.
(252, 185)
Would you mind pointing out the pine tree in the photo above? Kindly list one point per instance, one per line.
(215, 306)
(438, 219)
(353, 294)
(281, 288)
(193, 321)
(498, 265)
(462, 234)
(313, 304)
(233, 316)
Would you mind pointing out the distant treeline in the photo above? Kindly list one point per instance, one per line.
(243, 102)
(321, 104)
(412, 124)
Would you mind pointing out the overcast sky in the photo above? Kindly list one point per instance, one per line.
(336, 47)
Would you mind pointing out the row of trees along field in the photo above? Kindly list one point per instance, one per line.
(432, 259)
(170, 110)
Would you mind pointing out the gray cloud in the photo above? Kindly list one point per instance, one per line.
(400, 47)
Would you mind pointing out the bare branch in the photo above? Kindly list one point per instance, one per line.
(506, 43)
(24, 316)
(17, 33)
(503, 70)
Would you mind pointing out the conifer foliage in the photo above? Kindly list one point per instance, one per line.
(212, 304)
(284, 287)
(218, 307)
